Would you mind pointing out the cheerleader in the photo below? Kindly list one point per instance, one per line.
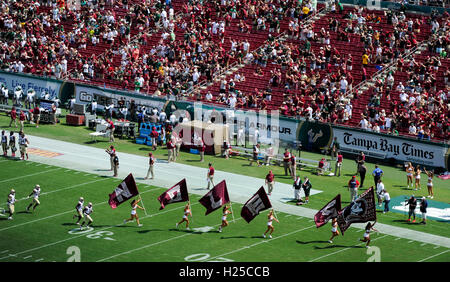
(134, 215)
(187, 211)
(417, 177)
(225, 212)
(334, 230)
(409, 174)
(270, 228)
(430, 183)
(368, 229)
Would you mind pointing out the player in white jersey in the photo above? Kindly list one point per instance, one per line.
(5, 94)
(10, 203)
(270, 227)
(79, 210)
(4, 141)
(12, 144)
(87, 211)
(23, 144)
(35, 193)
(187, 211)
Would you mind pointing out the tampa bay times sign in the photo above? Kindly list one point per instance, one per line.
(391, 147)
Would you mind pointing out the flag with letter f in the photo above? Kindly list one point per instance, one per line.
(177, 193)
(256, 204)
(125, 191)
(216, 198)
(329, 211)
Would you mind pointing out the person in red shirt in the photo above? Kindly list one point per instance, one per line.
(154, 136)
(270, 182)
(36, 115)
(22, 118)
(111, 128)
(210, 176)
(321, 166)
(338, 166)
(293, 166)
(353, 186)
(13, 116)
(287, 162)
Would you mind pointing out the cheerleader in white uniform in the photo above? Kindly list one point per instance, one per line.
(187, 211)
(366, 236)
(334, 230)
(430, 183)
(134, 215)
(225, 213)
(270, 227)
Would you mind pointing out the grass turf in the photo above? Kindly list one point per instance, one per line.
(50, 234)
(394, 177)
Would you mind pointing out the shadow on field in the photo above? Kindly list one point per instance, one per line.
(148, 230)
(188, 231)
(146, 149)
(309, 242)
(240, 237)
(338, 246)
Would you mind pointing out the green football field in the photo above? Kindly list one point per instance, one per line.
(50, 233)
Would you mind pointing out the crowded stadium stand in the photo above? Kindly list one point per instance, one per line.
(383, 70)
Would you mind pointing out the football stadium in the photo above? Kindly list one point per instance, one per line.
(247, 131)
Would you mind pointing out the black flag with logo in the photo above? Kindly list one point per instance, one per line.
(256, 204)
(329, 211)
(361, 210)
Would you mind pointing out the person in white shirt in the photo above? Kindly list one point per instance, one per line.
(343, 84)
(412, 129)
(380, 188)
(208, 96)
(387, 199)
(35, 193)
(363, 123)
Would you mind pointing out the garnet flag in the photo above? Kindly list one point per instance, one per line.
(361, 210)
(178, 193)
(217, 197)
(329, 211)
(126, 190)
(256, 204)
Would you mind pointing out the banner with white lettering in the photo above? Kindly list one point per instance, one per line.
(104, 97)
(123, 192)
(256, 204)
(39, 85)
(391, 147)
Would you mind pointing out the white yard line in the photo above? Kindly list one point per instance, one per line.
(28, 175)
(81, 235)
(333, 253)
(261, 242)
(434, 256)
(62, 189)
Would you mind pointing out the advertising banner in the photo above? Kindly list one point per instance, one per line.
(11, 80)
(392, 147)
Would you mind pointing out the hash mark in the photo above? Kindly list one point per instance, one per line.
(5, 251)
(27, 257)
(39, 259)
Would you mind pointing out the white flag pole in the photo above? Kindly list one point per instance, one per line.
(232, 212)
(275, 214)
(192, 217)
(142, 204)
